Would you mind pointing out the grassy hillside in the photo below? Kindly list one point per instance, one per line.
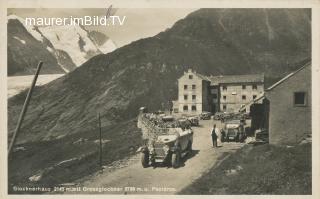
(260, 169)
(145, 73)
(72, 157)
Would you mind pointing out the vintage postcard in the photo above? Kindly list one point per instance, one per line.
(116, 99)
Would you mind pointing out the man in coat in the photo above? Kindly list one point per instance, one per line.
(214, 136)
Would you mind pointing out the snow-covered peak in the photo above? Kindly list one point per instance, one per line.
(71, 39)
(31, 29)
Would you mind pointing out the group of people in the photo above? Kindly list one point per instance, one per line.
(216, 136)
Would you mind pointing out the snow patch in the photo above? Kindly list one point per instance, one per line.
(31, 29)
(49, 49)
(21, 40)
(63, 68)
(66, 38)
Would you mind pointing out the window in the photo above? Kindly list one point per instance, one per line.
(190, 76)
(194, 97)
(224, 88)
(224, 107)
(254, 97)
(194, 108)
(214, 96)
(185, 97)
(185, 108)
(193, 86)
(300, 99)
(185, 87)
(244, 97)
(243, 87)
(224, 97)
(254, 87)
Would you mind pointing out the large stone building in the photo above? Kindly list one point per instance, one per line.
(193, 94)
(236, 91)
(289, 104)
(198, 93)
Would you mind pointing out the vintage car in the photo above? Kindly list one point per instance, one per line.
(167, 148)
(234, 131)
(218, 115)
(261, 135)
(205, 116)
(194, 121)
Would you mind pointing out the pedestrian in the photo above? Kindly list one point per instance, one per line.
(214, 136)
(219, 135)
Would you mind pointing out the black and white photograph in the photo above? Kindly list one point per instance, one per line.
(199, 100)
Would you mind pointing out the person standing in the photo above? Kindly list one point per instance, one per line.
(219, 135)
(214, 136)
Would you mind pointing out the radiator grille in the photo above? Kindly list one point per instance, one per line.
(158, 149)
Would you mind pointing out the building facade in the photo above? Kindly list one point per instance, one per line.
(289, 102)
(238, 90)
(193, 94)
(198, 93)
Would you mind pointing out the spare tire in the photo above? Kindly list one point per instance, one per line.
(145, 159)
(175, 159)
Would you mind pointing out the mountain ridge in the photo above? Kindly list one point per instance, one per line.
(70, 46)
(145, 72)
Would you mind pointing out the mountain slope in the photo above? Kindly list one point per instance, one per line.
(25, 50)
(70, 46)
(145, 72)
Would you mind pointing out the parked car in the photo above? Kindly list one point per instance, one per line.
(194, 121)
(184, 123)
(167, 148)
(205, 116)
(234, 131)
(218, 116)
(167, 118)
(261, 135)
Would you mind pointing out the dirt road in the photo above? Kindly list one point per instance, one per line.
(133, 179)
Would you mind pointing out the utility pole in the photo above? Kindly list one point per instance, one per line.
(24, 109)
(100, 143)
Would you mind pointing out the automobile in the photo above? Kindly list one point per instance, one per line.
(194, 121)
(159, 112)
(261, 135)
(218, 115)
(184, 123)
(234, 131)
(167, 118)
(205, 116)
(167, 148)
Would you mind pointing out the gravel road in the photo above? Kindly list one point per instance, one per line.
(133, 179)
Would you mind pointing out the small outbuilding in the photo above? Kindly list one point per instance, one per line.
(289, 104)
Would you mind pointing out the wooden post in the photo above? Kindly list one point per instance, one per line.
(100, 145)
(24, 109)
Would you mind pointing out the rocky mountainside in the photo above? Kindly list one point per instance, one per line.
(62, 48)
(145, 72)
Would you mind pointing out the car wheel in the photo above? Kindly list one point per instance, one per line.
(145, 159)
(175, 159)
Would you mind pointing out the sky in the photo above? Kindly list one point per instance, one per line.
(139, 23)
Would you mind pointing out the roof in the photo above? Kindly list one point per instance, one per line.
(227, 79)
(261, 96)
(288, 76)
(203, 77)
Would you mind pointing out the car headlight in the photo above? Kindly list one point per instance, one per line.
(166, 149)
